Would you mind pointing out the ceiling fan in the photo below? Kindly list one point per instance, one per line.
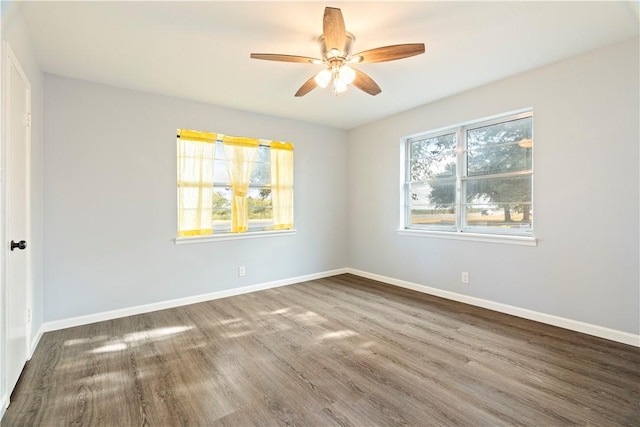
(335, 45)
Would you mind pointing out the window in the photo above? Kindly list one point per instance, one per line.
(474, 178)
(230, 184)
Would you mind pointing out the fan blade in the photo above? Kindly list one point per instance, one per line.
(307, 87)
(366, 83)
(333, 29)
(390, 53)
(283, 58)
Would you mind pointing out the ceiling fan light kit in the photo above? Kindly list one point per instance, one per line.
(336, 45)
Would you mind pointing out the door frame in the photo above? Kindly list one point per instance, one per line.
(9, 60)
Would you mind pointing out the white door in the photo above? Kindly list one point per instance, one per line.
(18, 134)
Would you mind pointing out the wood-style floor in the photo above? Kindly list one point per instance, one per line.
(341, 351)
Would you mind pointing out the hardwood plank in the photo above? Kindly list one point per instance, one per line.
(340, 351)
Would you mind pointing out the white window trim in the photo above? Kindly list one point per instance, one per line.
(458, 233)
(508, 239)
(234, 236)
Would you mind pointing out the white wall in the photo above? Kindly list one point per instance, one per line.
(586, 193)
(110, 200)
(14, 31)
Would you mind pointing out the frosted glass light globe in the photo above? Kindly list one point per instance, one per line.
(339, 86)
(323, 78)
(347, 74)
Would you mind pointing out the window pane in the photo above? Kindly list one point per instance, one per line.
(499, 190)
(518, 130)
(434, 146)
(502, 203)
(220, 174)
(221, 209)
(262, 167)
(433, 167)
(261, 173)
(499, 216)
(260, 208)
(433, 157)
(433, 203)
(220, 151)
(498, 159)
(264, 154)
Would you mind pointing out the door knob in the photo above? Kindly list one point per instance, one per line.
(20, 245)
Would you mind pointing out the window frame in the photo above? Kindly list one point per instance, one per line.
(229, 235)
(461, 231)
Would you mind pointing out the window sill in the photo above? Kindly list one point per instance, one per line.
(475, 237)
(233, 236)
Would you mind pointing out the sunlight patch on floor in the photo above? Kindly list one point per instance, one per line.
(368, 344)
(309, 318)
(89, 340)
(237, 334)
(229, 321)
(281, 311)
(136, 338)
(338, 334)
(155, 333)
(116, 346)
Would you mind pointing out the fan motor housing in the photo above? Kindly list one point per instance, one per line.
(345, 51)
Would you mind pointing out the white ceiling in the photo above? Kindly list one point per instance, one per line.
(200, 50)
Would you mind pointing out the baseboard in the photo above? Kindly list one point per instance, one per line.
(130, 311)
(35, 340)
(573, 325)
(4, 403)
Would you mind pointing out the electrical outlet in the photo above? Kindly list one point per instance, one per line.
(241, 271)
(465, 277)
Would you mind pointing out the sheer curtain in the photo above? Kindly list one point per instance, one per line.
(241, 156)
(282, 184)
(195, 182)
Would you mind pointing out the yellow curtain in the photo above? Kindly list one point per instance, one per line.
(241, 156)
(282, 184)
(195, 182)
